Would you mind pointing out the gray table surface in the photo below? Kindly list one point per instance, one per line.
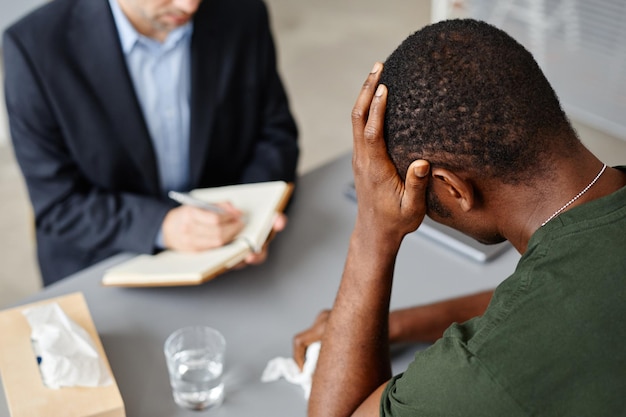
(259, 309)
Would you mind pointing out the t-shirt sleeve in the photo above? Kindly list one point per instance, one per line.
(447, 380)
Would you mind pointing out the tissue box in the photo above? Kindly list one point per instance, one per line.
(26, 395)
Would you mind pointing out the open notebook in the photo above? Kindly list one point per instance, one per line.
(259, 201)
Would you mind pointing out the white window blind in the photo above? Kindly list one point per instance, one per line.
(579, 44)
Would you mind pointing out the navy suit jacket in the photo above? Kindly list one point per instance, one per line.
(82, 142)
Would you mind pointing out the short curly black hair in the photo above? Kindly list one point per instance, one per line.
(464, 95)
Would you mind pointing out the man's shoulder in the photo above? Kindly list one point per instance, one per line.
(49, 19)
(45, 26)
(42, 16)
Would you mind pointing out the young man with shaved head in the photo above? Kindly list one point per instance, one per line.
(461, 125)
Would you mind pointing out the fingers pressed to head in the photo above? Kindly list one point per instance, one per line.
(368, 117)
(360, 110)
(373, 138)
(416, 182)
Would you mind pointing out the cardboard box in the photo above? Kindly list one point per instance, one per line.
(26, 394)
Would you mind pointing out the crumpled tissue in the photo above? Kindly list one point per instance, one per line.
(288, 369)
(67, 353)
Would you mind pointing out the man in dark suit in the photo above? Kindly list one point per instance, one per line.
(112, 103)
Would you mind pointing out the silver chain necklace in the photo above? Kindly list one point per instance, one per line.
(556, 213)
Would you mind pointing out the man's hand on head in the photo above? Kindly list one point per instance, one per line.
(388, 206)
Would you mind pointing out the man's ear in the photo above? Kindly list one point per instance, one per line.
(458, 189)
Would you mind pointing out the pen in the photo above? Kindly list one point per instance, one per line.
(186, 199)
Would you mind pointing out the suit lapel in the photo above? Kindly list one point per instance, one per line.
(205, 67)
(97, 47)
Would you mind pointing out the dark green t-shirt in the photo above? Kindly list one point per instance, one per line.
(551, 343)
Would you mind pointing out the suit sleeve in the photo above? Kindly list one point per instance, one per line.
(69, 206)
(276, 152)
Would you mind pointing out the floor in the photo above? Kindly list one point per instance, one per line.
(325, 50)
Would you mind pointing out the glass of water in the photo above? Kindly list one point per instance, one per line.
(195, 360)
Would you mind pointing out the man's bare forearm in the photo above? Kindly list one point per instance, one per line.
(354, 360)
(426, 323)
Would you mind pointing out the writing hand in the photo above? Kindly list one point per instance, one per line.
(191, 229)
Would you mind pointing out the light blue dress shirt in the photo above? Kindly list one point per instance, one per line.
(161, 75)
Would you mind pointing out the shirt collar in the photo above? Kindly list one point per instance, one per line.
(129, 36)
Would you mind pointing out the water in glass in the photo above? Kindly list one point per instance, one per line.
(196, 379)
